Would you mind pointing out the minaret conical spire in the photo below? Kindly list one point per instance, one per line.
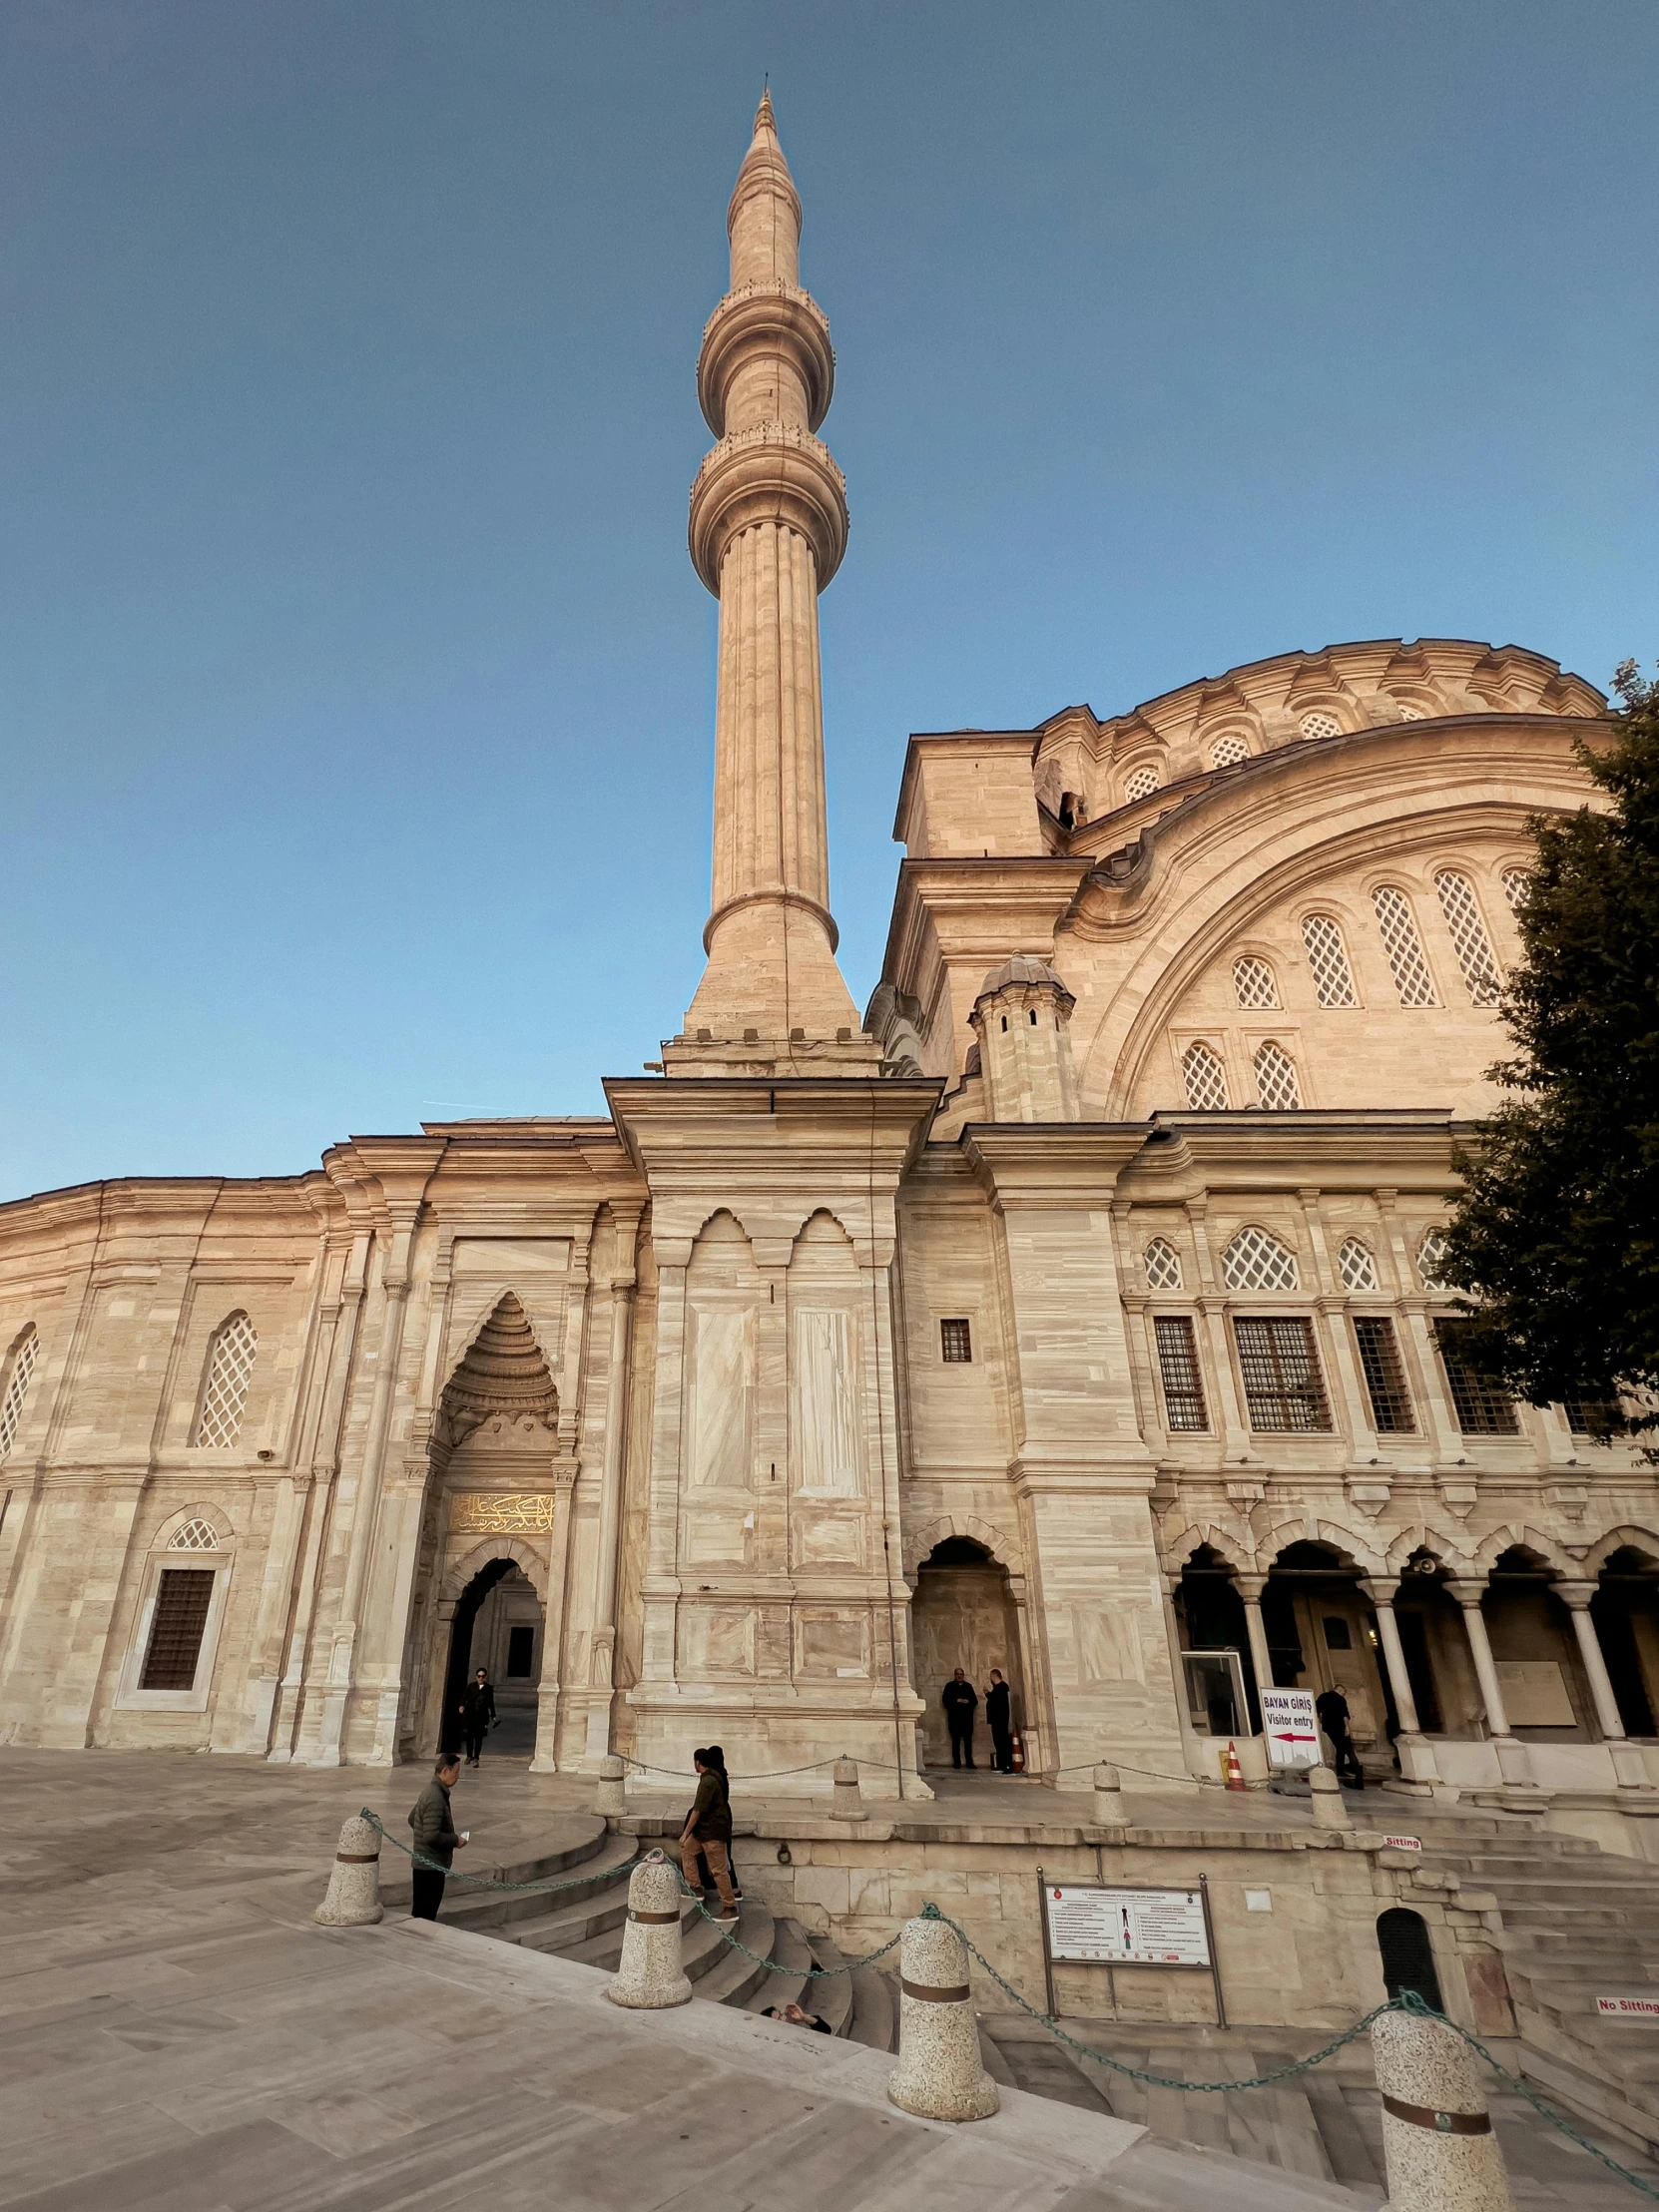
(768, 529)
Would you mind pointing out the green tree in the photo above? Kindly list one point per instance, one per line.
(1557, 1236)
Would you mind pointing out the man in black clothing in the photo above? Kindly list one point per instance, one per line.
(478, 1714)
(435, 1838)
(1002, 1726)
(1332, 1708)
(959, 1700)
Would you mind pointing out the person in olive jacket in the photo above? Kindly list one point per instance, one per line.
(436, 1836)
(959, 1699)
(708, 1832)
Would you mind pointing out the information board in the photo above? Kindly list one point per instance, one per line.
(1126, 1928)
(1290, 1727)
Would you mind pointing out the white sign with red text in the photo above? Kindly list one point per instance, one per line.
(1630, 2009)
(1126, 1928)
(1291, 1731)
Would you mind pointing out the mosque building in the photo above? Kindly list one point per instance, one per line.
(1074, 1310)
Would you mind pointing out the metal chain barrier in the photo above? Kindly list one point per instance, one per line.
(485, 1881)
(802, 1974)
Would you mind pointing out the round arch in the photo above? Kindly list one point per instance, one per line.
(524, 1556)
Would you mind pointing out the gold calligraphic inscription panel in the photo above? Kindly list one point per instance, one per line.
(491, 1513)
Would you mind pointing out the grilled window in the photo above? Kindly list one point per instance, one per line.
(1356, 1265)
(1276, 1084)
(17, 1389)
(225, 1393)
(196, 1535)
(1482, 1408)
(1517, 884)
(955, 1343)
(1469, 936)
(177, 1628)
(1252, 984)
(1319, 725)
(1406, 959)
(1321, 938)
(1205, 1079)
(1229, 751)
(1163, 1265)
(1256, 1260)
(1379, 1363)
(1178, 1370)
(1283, 1389)
(1595, 1418)
(1141, 784)
(1431, 1251)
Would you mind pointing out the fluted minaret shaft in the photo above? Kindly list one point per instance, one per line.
(768, 529)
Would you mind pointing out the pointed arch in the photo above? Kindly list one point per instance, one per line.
(214, 1511)
(18, 1372)
(1358, 1554)
(227, 1377)
(1491, 1548)
(525, 1557)
(507, 1296)
(918, 1542)
(503, 1372)
(1227, 1544)
(1627, 1532)
(1448, 1543)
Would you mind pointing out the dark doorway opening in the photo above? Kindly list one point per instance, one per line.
(1408, 1955)
(461, 1648)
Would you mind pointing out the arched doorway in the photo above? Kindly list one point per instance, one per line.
(1322, 1635)
(1625, 1613)
(964, 1616)
(1408, 1951)
(1211, 1615)
(497, 1626)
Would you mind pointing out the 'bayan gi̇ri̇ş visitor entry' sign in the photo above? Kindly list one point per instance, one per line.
(1290, 1727)
(1089, 1924)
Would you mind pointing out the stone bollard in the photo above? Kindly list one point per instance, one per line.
(1437, 2141)
(612, 1793)
(847, 1804)
(1108, 1796)
(650, 1975)
(1329, 1808)
(939, 2075)
(353, 1898)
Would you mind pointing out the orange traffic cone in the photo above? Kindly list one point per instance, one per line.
(1235, 1773)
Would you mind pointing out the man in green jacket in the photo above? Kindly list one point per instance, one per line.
(709, 1829)
(436, 1836)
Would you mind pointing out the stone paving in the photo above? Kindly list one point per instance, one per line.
(175, 2032)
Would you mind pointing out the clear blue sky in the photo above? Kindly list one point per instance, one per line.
(355, 690)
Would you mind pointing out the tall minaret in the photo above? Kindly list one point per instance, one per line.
(768, 530)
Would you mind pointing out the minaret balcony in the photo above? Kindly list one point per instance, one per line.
(766, 317)
(773, 472)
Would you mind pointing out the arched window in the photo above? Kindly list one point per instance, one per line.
(1399, 927)
(1141, 784)
(1206, 1080)
(1411, 713)
(1229, 751)
(1320, 725)
(1407, 1955)
(1163, 1265)
(1469, 936)
(1517, 883)
(224, 1388)
(1356, 1265)
(1252, 984)
(1431, 1251)
(23, 1353)
(1276, 1084)
(1322, 938)
(1256, 1260)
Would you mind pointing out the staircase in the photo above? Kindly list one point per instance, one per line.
(586, 1922)
(1578, 1922)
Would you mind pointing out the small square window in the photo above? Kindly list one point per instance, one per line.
(1337, 1636)
(957, 1343)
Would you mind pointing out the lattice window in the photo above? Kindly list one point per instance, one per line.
(1404, 946)
(17, 1389)
(1276, 1084)
(1431, 1251)
(1179, 1372)
(1518, 886)
(1484, 1407)
(1252, 984)
(177, 1627)
(1356, 1265)
(1163, 1265)
(1256, 1260)
(1283, 1389)
(1229, 751)
(1319, 725)
(1206, 1080)
(1141, 784)
(196, 1535)
(955, 1343)
(1469, 936)
(224, 1394)
(1322, 938)
(1411, 713)
(1379, 1363)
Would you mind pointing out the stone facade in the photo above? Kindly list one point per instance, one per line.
(1074, 1310)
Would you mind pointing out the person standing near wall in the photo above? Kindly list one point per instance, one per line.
(707, 1832)
(435, 1838)
(1332, 1708)
(959, 1700)
(477, 1715)
(1000, 1722)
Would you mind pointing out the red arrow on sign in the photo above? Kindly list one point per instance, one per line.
(1285, 1736)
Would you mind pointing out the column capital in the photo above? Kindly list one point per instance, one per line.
(1467, 1591)
(1576, 1594)
(1382, 1589)
(1250, 1587)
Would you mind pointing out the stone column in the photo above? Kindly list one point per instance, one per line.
(1250, 1588)
(1512, 1755)
(1416, 1755)
(618, 1384)
(1629, 1767)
